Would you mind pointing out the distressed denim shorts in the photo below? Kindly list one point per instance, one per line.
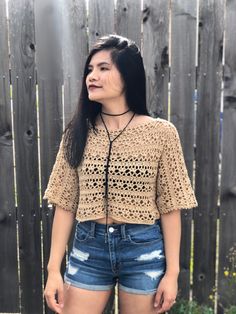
(132, 255)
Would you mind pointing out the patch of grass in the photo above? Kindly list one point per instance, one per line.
(231, 310)
(190, 307)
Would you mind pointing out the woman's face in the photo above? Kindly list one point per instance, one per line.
(103, 81)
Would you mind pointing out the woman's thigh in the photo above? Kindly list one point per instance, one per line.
(130, 303)
(82, 301)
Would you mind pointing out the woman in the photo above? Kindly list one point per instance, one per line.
(122, 175)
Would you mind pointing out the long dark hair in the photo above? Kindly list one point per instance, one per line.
(126, 55)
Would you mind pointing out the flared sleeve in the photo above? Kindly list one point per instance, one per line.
(63, 184)
(174, 190)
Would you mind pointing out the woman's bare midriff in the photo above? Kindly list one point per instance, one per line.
(109, 221)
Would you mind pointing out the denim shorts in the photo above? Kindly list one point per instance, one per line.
(131, 255)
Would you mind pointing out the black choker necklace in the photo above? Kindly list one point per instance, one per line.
(112, 114)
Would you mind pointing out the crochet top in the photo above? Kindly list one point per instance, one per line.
(147, 175)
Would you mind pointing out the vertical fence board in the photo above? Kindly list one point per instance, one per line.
(155, 53)
(75, 49)
(22, 43)
(182, 77)
(100, 19)
(8, 257)
(227, 258)
(128, 19)
(50, 78)
(207, 154)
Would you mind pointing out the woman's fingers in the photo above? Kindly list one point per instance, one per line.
(166, 305)
(54, 287)
(166, 293)
(163, 302)
(61, 297)
(158, 296)
(50, 297)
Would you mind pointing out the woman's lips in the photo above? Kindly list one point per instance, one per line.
(94, 87)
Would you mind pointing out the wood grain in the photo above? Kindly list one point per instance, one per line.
(208, 146)
(22, 47)
(183, 82)
(227, 236)
(8, 237)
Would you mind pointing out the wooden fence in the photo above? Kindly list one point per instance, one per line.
(189, 53)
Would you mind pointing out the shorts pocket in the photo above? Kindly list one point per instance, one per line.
(82, 235)
(146, 236)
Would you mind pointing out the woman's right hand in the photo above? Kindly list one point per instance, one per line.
(54, 286)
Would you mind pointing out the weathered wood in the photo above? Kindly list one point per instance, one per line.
(22, 46)
(50, 79)
(209, 79)
(182, 78)
(100, 19)
(8, 256)
(156, 55)
(227, 236)
(128, 19)
(75, 50)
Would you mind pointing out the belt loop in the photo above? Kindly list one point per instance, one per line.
(92, 230)
(123, 231)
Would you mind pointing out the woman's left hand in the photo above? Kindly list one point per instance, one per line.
(166, 293)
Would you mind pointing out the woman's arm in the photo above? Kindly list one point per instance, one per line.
(168, 287)
(171, 227)
(61, 229)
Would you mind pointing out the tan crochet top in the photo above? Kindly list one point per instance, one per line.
(147, 175)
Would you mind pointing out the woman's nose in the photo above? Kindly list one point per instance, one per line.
(93, 75)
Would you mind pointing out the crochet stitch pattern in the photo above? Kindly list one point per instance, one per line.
(147, 175)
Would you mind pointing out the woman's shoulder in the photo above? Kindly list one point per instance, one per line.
(160, 122)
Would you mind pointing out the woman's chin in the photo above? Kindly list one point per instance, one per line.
(94, 98)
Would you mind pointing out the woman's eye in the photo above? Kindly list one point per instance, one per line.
(102, 69)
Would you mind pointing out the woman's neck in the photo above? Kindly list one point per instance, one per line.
(115, 122)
